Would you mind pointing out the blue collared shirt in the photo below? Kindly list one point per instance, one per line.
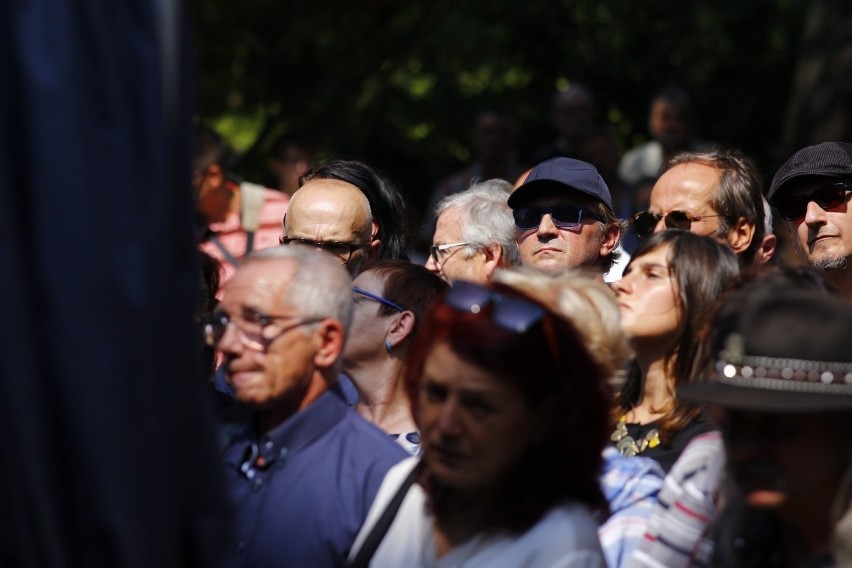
(302, 491)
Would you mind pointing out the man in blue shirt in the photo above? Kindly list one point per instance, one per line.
(304, 472)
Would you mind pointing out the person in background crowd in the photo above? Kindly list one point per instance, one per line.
(670, 286)
(391, 299)
(500, 387)
(811, 192)
(564, 218)
(573, 116)
(304, 470)
(671, 121)
(234, 217)
(715, 193)
(290, 159)
(474, 234)
(493, 145)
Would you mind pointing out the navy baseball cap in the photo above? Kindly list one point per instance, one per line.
(829, 159)
(565, 174)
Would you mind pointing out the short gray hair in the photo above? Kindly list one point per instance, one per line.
(320, 287)
(486, 217)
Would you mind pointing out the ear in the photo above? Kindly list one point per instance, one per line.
(329, 337)
(402, 326)
(215, 176)
(372, 249)
(767, 249)
(493, 259)
(740, 235)
(611, 235)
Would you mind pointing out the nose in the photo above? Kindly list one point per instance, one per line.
(448, 419)
(661, 225)
(622, 285)
(814, 214)
(230, 341)
(431, 265)
(547, 227)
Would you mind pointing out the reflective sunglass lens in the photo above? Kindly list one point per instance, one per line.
(644, 223)
(678, 220)
(468, 297)
(527, 217)
(516, 315)
(566, 215)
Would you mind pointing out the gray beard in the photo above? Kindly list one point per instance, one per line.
(835, 263)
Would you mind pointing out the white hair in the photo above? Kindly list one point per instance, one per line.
(319, 287)
(485, 217)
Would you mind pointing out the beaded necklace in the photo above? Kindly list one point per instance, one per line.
(627, 445)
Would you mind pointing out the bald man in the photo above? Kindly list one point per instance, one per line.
(333, 216)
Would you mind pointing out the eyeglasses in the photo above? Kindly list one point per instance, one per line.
(510, 313)
(827, 197)
(377, 298)
(645, 222)
(439, 253)
(250, 329)
(564, 216)
(343, 251)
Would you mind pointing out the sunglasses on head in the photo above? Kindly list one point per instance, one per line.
(645, 222)
(564, 216)
(511, 313)
(827, 197)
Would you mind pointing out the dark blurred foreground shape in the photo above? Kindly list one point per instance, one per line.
(108, 457)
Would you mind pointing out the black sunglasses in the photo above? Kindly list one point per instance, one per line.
(645, 222)
(564, 216)
(827, 197)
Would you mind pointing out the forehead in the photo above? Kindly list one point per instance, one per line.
(448, 227)
(685, 187)
(444, 366)
(370, 281)
(324, 209)
(260, 285)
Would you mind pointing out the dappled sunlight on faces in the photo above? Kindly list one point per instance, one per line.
(688, 188)
(474, 427)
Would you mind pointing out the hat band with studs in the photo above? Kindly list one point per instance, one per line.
(782, 374)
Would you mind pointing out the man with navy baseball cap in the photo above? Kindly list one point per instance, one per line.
(564, 218)
(811, 192)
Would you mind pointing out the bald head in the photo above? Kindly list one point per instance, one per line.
(329, 210)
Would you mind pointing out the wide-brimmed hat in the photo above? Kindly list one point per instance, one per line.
(829, 159)
(565, 174)
(789, 351)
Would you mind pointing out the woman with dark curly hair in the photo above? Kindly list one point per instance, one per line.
(513, 415)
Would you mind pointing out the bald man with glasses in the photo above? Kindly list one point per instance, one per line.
(303, 472)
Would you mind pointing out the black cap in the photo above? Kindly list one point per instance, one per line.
(561, 173)
(829, 159)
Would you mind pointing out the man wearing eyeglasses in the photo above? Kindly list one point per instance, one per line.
(564, 218)
(333, 216)
(716, 193)
(811, 192)
(303, 473)
(474, 234)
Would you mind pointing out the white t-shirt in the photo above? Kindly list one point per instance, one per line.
(566, 536)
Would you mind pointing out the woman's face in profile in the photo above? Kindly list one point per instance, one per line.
(648, 298)
(474, 426)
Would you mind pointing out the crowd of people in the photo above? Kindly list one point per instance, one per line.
(595, 365)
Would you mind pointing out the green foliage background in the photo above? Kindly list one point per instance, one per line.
(398, 82)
